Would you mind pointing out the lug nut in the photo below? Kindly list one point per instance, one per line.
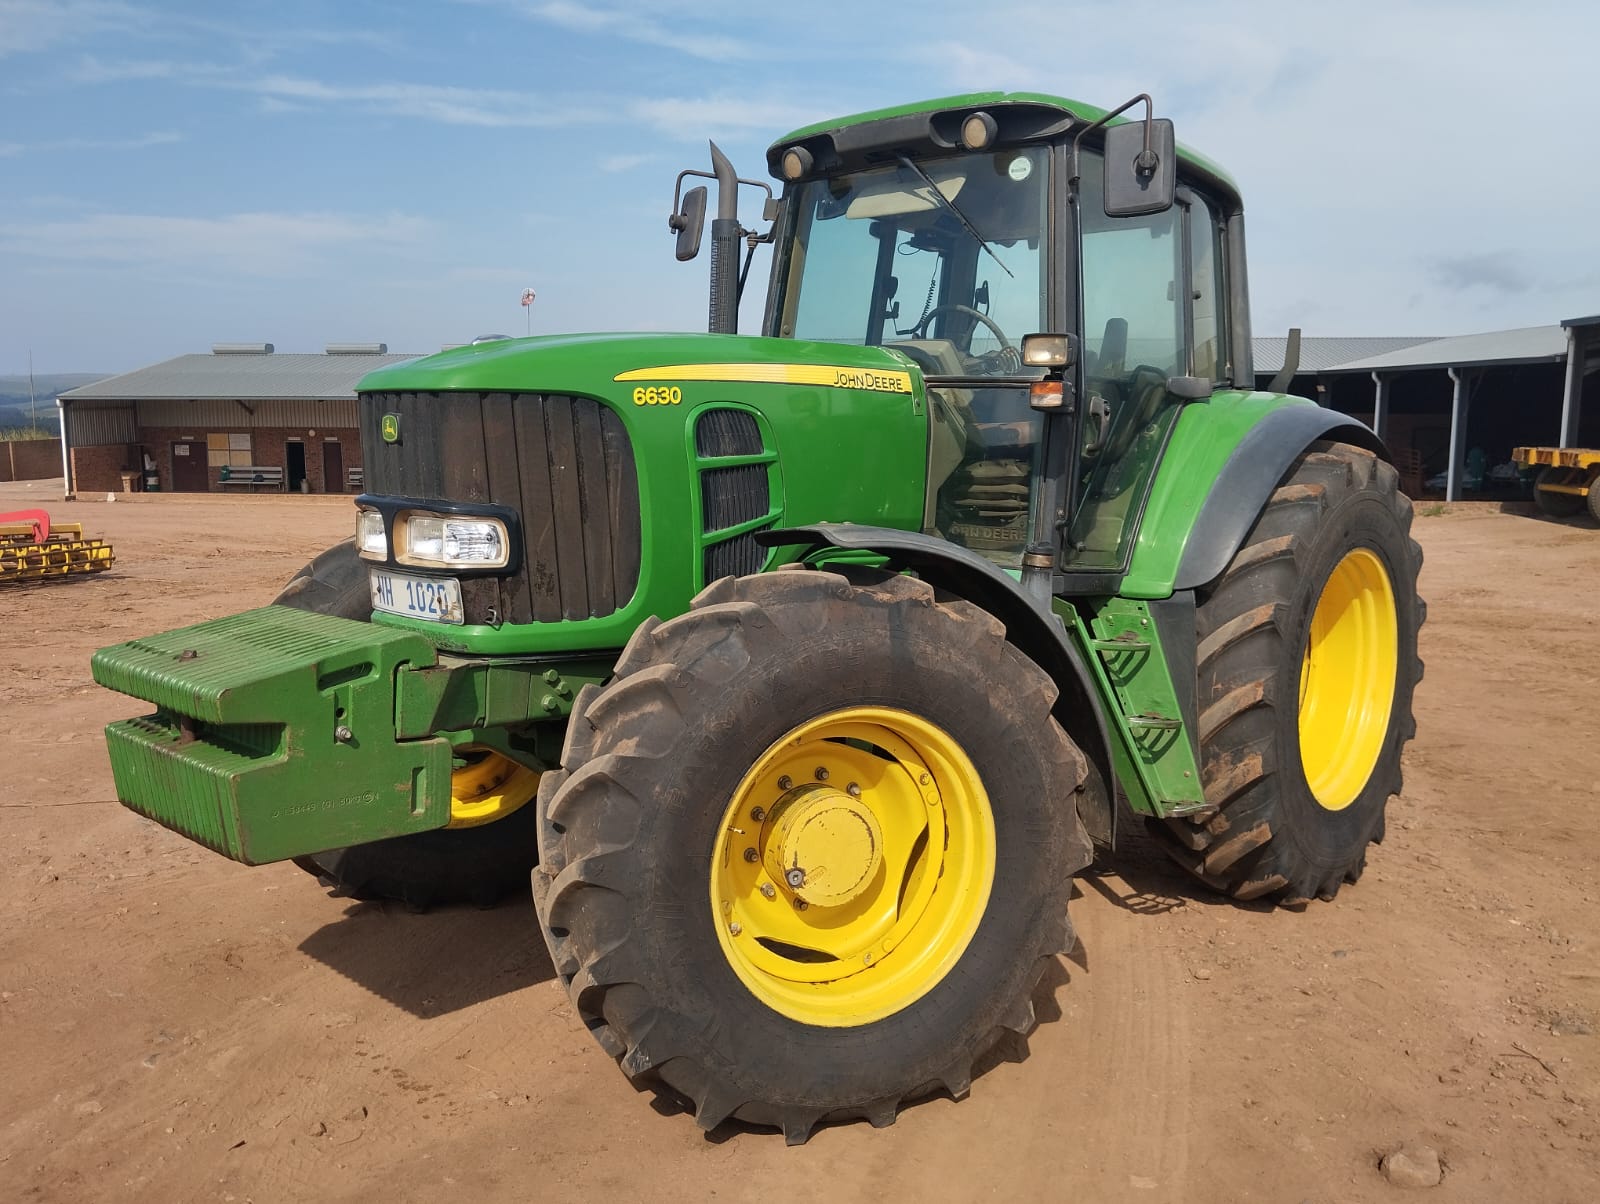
(801, 905)
(785, 782)
(758, 814)
(734, 929)
(853, 790)
(751, 855)
(796, 877)
(821, 774)
(767, 890)
(924, 779)
(343, 734)
(866, 959)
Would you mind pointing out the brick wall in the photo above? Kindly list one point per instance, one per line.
(268, 449)
(99, 469)
(29, 459)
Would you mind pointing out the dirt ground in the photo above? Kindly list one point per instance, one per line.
(177, 1027)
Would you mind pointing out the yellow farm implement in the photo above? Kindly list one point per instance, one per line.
(32, 549)
(1568, 480)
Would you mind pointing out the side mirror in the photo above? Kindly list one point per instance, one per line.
(690, 223)
(1140, 181)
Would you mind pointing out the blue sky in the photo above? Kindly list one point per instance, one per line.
(177, 174)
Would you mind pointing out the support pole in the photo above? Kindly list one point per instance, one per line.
(1572, 396)
(1458, 434)
(67, 491)
(1380, 405)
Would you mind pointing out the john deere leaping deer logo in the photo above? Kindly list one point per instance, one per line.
(391, 428)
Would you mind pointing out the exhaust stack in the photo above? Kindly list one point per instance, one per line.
(724, 318)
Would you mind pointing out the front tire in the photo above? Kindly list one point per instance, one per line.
(478, 865)
(811, 848)
(1307, 660)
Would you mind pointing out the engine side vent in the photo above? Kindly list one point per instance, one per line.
(727, 433)
(736, 557)
(730, 496)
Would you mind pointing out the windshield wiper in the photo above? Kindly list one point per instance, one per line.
(960, 217)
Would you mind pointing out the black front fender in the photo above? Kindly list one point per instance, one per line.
(1036, 631)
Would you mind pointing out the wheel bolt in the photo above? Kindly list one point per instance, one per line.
(785, 782)
(866, 959)
(734, 929)
(853, 790)
(751, 855)
(821, 774)
(924, 779)
(767, 890)
(758, 814)
(796, 877)
(801, 905)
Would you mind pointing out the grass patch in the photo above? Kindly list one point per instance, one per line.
(1434, 511)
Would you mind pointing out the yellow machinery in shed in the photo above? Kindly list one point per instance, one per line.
(1568, 479)
(32, 549)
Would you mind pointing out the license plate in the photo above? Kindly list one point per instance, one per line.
(436, 598)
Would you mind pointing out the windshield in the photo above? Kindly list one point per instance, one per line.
(944, 262)
(881, 258)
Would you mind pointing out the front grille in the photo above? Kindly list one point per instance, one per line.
(730, 496)
(564, 463)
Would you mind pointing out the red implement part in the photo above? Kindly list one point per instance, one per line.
(39, 519)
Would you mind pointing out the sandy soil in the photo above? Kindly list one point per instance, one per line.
(178, 1027)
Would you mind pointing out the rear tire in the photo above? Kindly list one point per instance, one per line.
(1594, 497)
(480, 865)
(1559, 505)
(658, 772)
(1292, 818)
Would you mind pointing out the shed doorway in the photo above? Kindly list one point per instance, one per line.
(294, 470)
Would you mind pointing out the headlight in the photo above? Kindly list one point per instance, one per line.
(454, 542)
(371, 540)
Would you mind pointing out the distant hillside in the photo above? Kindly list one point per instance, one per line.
(16, 409)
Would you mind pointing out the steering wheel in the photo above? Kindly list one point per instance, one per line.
(1007, 359)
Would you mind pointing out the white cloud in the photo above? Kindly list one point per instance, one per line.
(29, 26)
(617, 163)
(253, 244)
(634, 24)
(700, 117)
(133, 142)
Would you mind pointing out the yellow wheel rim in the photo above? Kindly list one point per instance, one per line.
(1347, 679)
(852, 866)
(486, 785)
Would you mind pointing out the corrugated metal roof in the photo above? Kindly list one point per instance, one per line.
(246, 377)
(1320, 354)
(1531, 344)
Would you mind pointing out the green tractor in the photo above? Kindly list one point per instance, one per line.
(805, 670)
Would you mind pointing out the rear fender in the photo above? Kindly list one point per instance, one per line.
(1036, 631)
(1221, 464)
(1241, 490)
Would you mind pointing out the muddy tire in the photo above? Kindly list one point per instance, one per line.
(659, 810)
(1594, 498)
(1559, 505)
(1299, 755)
(481, 865)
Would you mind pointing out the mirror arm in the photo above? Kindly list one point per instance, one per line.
(1147, 157)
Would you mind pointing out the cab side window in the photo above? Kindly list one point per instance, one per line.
(1208, 293)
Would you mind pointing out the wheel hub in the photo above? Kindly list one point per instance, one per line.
(824, 844)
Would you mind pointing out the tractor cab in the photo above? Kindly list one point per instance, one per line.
(951, 231)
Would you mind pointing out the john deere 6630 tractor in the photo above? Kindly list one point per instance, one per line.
(805, 670)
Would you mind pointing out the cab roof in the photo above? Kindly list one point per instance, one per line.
(1039, 106)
